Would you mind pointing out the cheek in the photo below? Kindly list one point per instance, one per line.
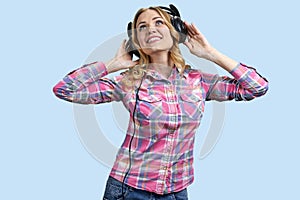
(169, 38)
(141, 39)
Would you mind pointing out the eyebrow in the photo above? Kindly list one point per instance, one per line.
(154, 18)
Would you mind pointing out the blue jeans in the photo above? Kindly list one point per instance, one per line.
(113, 191)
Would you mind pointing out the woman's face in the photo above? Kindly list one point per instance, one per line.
(153, 34)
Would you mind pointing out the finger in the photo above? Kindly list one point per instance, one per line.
(187, 44)
(189, 28)
(190, 32)
(192, 29)
(195, 29)
(122, 46)
(123, 43)
(131, 64)
(186, 24)
(201, 37)
(135, 62)
(198, 32)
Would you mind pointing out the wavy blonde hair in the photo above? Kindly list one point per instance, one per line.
(136, 73)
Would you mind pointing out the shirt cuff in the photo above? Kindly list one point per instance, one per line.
(88, 72)
(102, 69)
(96, 69)
(239, 71)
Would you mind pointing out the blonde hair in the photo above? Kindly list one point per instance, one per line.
(137, 72)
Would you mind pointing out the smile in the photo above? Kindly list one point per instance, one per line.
(153, 39)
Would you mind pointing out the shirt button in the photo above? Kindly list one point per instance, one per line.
(194, 98)
(171, 131)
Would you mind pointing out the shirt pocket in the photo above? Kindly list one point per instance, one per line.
(149, 108)
(191, 105)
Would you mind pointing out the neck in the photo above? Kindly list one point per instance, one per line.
(162, 64)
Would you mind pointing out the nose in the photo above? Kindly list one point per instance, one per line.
(151, 29)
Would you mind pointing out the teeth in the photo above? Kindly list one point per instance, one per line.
(153, 39)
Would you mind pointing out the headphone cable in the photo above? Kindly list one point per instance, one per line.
(134, 129)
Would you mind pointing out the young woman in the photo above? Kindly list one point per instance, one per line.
(165, 98)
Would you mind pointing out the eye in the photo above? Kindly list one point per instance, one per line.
(159, 22)
(142, 27)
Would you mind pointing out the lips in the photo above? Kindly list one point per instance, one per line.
(153, 39)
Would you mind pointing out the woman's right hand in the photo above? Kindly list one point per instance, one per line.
(122, 60)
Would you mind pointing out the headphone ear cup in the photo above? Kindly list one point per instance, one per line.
(180, 27)
(176, 21)
(129, 46)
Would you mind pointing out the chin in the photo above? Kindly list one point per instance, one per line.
(153, 50)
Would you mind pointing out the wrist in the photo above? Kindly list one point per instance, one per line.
(111, 66)
(213, 55)
(222, 60)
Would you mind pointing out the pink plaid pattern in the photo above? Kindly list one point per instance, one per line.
(168, 113)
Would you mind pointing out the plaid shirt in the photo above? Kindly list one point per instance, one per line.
(167, 115)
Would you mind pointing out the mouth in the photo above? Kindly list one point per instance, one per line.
(153, 39)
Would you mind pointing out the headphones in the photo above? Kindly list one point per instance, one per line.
(176, 21)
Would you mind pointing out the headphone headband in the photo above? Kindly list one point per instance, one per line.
(173, 11)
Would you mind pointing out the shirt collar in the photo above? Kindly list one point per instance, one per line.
(175, 74)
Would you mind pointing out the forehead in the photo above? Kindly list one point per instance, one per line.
(147, 15)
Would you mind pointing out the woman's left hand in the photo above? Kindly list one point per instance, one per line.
(199, 46)
(197, 43)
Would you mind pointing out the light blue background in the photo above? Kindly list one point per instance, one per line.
(41, 155)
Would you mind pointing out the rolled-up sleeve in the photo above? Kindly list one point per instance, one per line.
(245, 85)
(87, 85)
